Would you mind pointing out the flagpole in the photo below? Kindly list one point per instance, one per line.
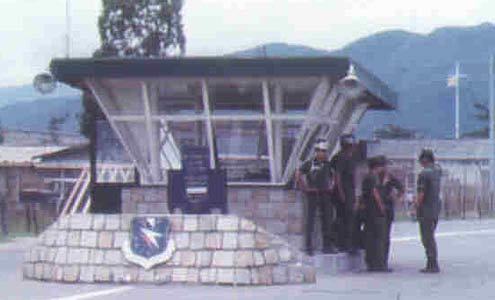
(457, 100)
(491, 125)
(67, 24)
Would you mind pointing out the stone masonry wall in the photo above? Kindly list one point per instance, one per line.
(210, 249)
(268, 207)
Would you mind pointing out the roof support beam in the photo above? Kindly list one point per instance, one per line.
(208, 123)
(149, 102)
(269, 132)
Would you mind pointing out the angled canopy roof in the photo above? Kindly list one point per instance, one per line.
(74, 71)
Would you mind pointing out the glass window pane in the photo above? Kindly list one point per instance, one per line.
(188, 133)
(235, 97)
(285, 135)
(243, 151)
(180, 97)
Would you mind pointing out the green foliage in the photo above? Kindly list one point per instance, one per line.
(54, 127)
(482, 114)
(391, 131)
(141, 28)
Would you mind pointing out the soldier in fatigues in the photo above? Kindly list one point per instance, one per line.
(315, 177)
(390, 190)
(344, 164)
(427, 204)
(375, 218)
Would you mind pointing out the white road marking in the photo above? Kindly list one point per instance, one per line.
(447, 234)
(92, 295)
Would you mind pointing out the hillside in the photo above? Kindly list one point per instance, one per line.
(414, 65)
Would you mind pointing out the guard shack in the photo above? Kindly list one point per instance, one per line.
(256, 118)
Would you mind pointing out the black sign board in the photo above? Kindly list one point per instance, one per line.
(196, 166)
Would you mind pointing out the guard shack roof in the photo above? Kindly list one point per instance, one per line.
(74, 71)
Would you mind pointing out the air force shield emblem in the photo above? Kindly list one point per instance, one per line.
(149, 243)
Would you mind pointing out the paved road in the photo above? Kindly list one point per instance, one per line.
(467, 251)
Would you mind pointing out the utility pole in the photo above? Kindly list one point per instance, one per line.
(457, 100)
(491, 128)
(68, 29)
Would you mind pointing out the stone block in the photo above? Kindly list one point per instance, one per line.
(280, 275)
(207, 222)
(197, 240)
(78, 256)
(187, 258)
(71, 273)
(223, 259)
(192, 275)
(296, 226)
(265, 275)
(57, 273)
(61, 257)
(176, 259)
(81, 221)
(242, 276)
(61, 238)
(296, 275)
(50, 238)
(262, 241)
(284, 254)
(203, 259)
(142, 208)
(225, 276)
(213, 241)
(102, 274)
(248, 225)
(182, 240)
(63, 223)
(105, 239)
(259, 259)
(277, 227)
(179, 275)
(177, 222)
(131, 274)
(247, 241)
(89, 239)
(190, 223)
(271, 256)
(125, 222)
(147, 276)
(96, 256)
(255, 277)
(47, 271)
(163, 275)
(244, 259)
(87, 274)
(230, 240)
(112, 222)
(117, 274)
(98, 222)
(309, 274)
(119, 238)
(208, 276)
(74, 238)
(52, 255)
(113, 257)
(228, 223)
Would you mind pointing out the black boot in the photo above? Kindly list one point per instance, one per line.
(431, 266)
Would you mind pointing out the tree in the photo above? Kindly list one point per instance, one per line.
(391, 131)
(135, 28)
(141, 28)
(54, 128)
(483, 115)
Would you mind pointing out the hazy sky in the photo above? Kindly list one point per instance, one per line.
(33, 31)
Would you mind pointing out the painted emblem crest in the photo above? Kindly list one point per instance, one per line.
(149, 243)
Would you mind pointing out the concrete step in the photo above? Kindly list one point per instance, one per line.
(334, 264)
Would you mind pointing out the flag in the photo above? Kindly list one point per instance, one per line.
(452, 81)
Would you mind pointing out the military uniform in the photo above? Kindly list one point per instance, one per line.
(428, 212)
(319, 178)
(386, 191)
(375, 225)
(345, 166)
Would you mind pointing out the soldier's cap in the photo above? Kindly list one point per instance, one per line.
(321, 145)
(427, 154)
(347, 139)
(377, 161)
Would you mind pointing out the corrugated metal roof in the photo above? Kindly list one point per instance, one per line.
(24, 155)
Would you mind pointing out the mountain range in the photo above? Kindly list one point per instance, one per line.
(414, 65)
